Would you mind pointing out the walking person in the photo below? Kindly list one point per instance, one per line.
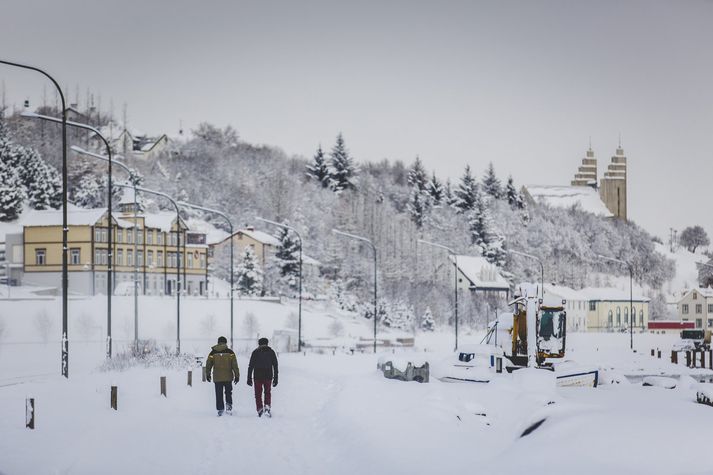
(224, 364)
(263, 363)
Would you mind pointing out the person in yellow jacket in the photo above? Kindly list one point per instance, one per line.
(224, 366)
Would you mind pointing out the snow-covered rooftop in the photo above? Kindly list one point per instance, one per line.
(213, 235)
(584, 197)
(260, 236)
(481, 273)
(608, 294)
(53, 217)
(162, 220)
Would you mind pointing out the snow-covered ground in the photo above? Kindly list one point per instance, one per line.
(333, 413)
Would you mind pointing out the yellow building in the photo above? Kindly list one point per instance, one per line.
(150, 249)
(264, 245)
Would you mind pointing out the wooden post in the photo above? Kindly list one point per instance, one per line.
(114, 398)
(674, 357)
(688, 358)
(652, 352)
(204, 374)
(710, 359)
(190, 378)
(659, 354)
(30, 413)
(163, 386)
(498, 365)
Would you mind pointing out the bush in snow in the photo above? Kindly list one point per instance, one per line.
(149, 355)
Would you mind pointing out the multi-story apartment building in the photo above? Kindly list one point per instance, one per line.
(696, 306)
(145, 247)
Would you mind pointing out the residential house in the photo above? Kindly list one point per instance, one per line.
(696, 305)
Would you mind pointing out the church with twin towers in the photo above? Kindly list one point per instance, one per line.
(605, 196)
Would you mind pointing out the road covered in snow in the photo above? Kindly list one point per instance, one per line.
(337, 414)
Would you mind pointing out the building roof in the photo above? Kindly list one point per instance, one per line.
(584, 197)
(595, 294)
(260, 236)
(162, 220)
(53, 217)
(705, 292)
(481, 273)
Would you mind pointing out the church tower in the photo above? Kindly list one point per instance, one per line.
(612, 188)
(587, 173)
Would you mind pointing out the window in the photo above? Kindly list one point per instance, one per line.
(202, 262)
(40, 257)
(74, 256)
(140, 257)
(97, 235)
(610, 321)
(592, 306)
(139, 236)
(149, 258)
(189, 261)
(100, 256)
(710, 308)
(105, 235)
(129, 236)
(174, 238)
(684, 309)
(699, 308)
(129, 257)
(159, 258)
(120, 257)
(641, 317)
(618, 316)
(149, 236)
(699, 322)
(710, 322)
(626, 315)
(119, 235)
(695, 296)
(159, 238)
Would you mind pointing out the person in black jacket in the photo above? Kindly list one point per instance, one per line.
(263, 362)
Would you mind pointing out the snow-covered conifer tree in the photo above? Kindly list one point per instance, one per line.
(343, 171)
(417, 206)
(491, 183)
(89, 192)
(12, 193)
(466, 194)
(427, 322)
(43, 183)
(249, 274)
(417, 176)
(287, 257)
(318, 170)
(435, 190)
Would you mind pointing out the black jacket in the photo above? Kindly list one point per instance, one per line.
(263, 362)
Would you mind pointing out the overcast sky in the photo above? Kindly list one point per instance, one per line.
(522, 84)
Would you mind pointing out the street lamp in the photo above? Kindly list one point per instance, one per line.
(110, 255)
(631, 293)
(542, 269)
(299, 314)
(134, 179)
(178, 256)
(455, 290)
(65, 228)
(373, 248)
(230, 225)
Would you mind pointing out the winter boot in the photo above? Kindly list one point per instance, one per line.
(260, 412)
(229, 410)
(267, 411)
(220, 413)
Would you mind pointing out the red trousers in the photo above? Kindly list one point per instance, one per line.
(261, 385)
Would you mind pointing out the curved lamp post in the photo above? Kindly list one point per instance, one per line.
(631, 293)
(455, 283)
(373, 248)
(178, 256)
(65, 228)
(230, 225)
(134, 179)
(110, 233)
(299, 314)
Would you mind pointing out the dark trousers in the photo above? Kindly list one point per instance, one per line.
(261, 385)
(219, 388)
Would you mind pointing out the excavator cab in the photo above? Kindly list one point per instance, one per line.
(551, 332)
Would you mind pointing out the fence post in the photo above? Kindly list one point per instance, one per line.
(652, 352)
(710, 359)
(163, 386)
(674, 357)
(113, 400)
(688, 358)
(659, 354)
(190, 378)
(498, 364)
(30, 413)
